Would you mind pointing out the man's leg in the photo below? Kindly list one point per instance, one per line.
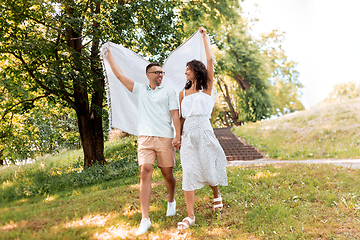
(170, 182)
(146, 159)
(146, 171)
(165, 153)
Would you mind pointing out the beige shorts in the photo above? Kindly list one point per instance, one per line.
(150, 148)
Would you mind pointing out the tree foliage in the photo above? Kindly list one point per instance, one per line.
(49, 60)
(285, 87)
(344, 92)
(255, 77)
(243, 63)
(52, 48)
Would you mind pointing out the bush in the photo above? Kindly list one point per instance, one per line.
(58, 173)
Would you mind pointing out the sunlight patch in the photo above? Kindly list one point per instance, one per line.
(75, 193)
(137, 186)
(12, 226)
(50, 198)
(265, 174)
(92, 220)
(134, 186)
(21, 201)
(218, 231)
(122, 231)
(9, 227)
(6, 184)
(118, 231)
(131, 210)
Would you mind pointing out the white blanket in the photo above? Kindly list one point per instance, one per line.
(123, 105)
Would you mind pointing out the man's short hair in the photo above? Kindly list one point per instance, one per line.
(151, 65)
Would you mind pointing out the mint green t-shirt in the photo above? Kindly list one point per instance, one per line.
(154, 110)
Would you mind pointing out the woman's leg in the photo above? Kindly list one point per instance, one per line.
(216, 193)
(190, 202)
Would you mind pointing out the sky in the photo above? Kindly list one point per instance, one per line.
(323, 36)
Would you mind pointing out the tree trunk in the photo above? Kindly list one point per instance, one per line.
(233, 114)
(226, 121)
(92, 139)
(242, 82)
(2, 162)
(89, 118)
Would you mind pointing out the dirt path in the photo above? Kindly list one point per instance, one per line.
(347, 163)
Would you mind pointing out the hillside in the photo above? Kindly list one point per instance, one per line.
(325, 131)
(56, 198)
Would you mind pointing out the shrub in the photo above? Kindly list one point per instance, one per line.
(60, 174)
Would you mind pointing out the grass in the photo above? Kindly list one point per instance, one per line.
(289, 201)
(56, 198)
(326, 131)
(65, 172)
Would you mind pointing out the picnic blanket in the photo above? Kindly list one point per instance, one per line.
(123, 105)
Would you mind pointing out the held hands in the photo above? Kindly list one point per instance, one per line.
(176, 143)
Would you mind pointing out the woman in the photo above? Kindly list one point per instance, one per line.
(202, 158)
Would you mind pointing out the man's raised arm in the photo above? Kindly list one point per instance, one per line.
(128, 83)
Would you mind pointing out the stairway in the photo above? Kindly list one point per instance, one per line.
(234, 149)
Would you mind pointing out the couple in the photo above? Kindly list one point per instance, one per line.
(202, 158)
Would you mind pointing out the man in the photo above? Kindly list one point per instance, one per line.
(157, 106)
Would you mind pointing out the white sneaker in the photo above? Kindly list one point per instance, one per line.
(144, 226)
(171, 208)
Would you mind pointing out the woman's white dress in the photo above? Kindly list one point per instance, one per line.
(202, 158)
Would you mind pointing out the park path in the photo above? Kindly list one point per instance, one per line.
(238, 153)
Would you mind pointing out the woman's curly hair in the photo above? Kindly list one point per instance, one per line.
(201, 75)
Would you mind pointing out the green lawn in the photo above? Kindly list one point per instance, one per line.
(289, 201)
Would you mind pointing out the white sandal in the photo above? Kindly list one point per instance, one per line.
(185, 225)
(220, 205)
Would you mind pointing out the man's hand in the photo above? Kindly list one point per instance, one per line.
(126, 81)
(176, 143)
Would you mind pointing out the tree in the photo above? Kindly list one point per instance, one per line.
(343, 92)
(53, 46)
(44, 128)
(284, 83)
(11, 112)
(238, 58)
(255, 78)
(243, 63)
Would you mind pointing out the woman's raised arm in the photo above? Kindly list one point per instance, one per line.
(209, 61)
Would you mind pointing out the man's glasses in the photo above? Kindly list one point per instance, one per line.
(158, 72)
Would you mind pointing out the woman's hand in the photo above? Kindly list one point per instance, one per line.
(202, 31)
(176, 142)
